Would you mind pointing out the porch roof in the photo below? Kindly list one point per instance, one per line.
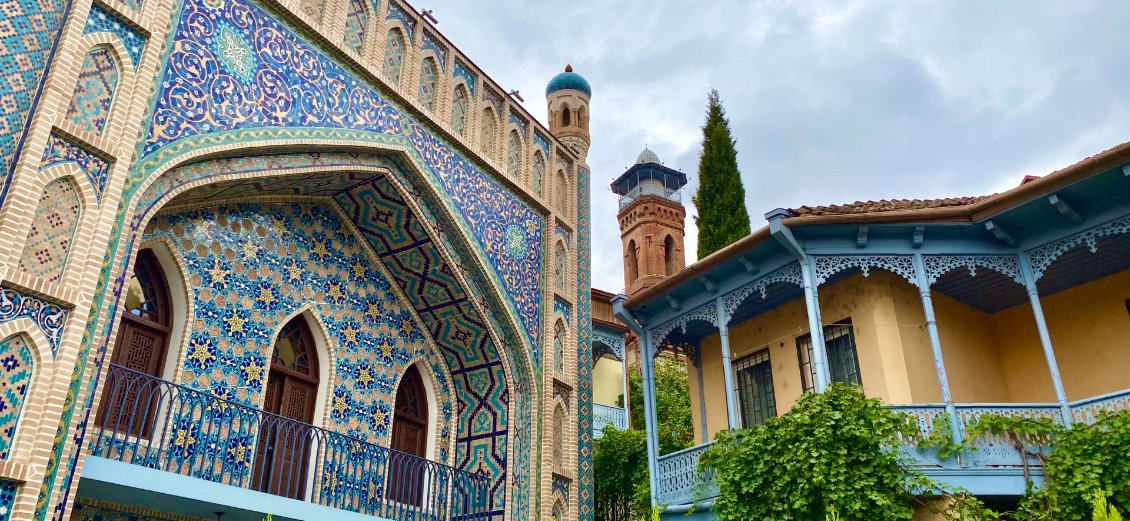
(1093, 186)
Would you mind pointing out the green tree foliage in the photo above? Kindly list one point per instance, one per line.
(827, 455)
(672, 404)
(1086, 458)
(720, 199)
(620, 468)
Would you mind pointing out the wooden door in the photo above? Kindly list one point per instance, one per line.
(142, 345)
(409, 438)
(283, 451)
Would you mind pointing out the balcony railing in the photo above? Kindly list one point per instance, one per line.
(161, 425)
(681, 481)
(607, 415)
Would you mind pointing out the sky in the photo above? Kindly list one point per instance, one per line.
(829, 101)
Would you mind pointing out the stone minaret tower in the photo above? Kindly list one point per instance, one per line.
(651, 221)
(568, 95)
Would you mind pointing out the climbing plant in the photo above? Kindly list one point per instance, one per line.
(1086, 458)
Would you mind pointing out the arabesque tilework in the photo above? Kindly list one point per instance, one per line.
(431, 43)
(48, 243)
(282, 64)
(28, 29)
(251, 267)
(426, 92)
(395, 12)
(464, 72)
(49, 317)
(60, 151)
(16, 365)
(94, 91)
(100, 20)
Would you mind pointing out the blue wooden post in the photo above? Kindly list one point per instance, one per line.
(724, 334)
(816, 330)
(701, 397)
(1045, 338)
(936, 346)
(651, 427)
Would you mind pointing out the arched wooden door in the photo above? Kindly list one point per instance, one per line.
(142, 346)
(285, 433)
(409, 437)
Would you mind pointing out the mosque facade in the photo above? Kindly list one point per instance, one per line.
(300, 258)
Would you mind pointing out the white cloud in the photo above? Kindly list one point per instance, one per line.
(830, 101)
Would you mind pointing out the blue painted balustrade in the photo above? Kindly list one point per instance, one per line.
(681, 481)
(607, 415)
(161, 425)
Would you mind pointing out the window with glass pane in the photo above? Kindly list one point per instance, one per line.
(754, 377)
(843, 361)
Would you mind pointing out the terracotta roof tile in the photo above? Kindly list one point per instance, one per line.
(885, 205)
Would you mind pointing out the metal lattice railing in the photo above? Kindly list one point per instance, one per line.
(607, 415)
(680, 481)
(157, 424)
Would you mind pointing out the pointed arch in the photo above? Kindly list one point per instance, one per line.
(394, 56)
(53, 229)
(559, 334)
(356, 24)
(459, 106)
(17, 366)
(669, 265)
(93, 95)
(561, 187)
(559, 426)
(632, 262)
(566, 116)
(514, 154)
(560, 273)
(486, 133)
(538, 173)
(582, 117)
(425, 94)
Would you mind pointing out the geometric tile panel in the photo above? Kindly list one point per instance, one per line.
(99, 20)
(94, 91)
(15, 377)
(394, 56)
(355, 23)
(413, 259)
(49, 240)
(27, 31)
(8, 491)
(252, 266)
(584, 351)
(426, 92)
(431, 43)
(274, 62)
(60, 151)
(49, 317)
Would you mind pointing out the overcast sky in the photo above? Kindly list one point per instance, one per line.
(830, 101)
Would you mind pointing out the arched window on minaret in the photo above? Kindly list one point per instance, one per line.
(566, 117)
(582, 117)
(669, 265)
(633, 262)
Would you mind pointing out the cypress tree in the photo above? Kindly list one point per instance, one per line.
(720, 199)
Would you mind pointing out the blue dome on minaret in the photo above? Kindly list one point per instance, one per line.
(568, 80)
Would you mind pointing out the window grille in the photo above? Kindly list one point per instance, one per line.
(843, 361)
(754, 378)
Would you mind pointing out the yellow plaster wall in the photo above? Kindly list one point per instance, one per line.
(989, 357)
(607, 381)
(1090, 330)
